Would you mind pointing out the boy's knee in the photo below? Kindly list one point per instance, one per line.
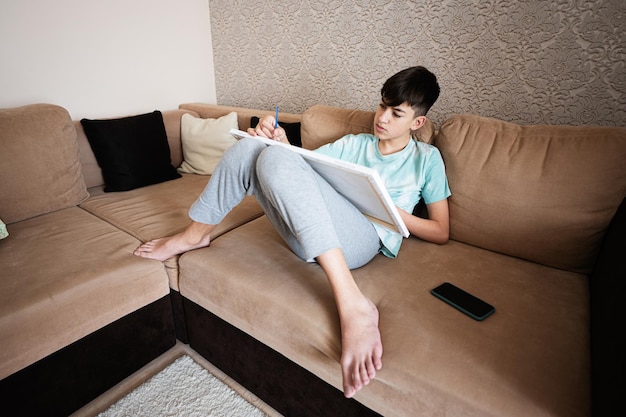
(274, 158)
(250, 145)
(272, 152)
(277, 166)
(243, 149)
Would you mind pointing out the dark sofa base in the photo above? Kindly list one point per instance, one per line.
(179, 316)
(281, 383)
(608, 345)
(72, 377)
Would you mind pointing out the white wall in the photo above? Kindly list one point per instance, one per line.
(106, 58)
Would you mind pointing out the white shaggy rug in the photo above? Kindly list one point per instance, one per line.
(184, 388)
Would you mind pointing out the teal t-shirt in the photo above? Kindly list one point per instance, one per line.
(415, 172)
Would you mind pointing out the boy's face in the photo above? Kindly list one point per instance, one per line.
(396, 122)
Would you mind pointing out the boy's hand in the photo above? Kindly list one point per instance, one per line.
(266, 129)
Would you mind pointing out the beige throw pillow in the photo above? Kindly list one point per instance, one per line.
(205, 141)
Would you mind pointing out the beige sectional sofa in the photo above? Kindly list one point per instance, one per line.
(530, 212)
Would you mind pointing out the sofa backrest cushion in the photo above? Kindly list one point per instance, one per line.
(542, 193)
(324, 124)
(40, 170)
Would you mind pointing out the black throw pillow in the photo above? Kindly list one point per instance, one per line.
(132, 151)
(291, 129)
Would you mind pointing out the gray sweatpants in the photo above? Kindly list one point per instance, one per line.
(304, 209)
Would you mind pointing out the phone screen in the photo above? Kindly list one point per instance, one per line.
(463, 301)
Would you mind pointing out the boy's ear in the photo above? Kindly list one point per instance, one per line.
(418, 122)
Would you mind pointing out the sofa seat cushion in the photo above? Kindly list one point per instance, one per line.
(39, 164)
(161, 210)
(542, 193)
(530, 358)
(65, 275)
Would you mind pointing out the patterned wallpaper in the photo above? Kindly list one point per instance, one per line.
(533, 62)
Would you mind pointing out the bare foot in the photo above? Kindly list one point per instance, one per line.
(362, 347)
(166, 247)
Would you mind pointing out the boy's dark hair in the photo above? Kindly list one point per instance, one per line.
(415, 85)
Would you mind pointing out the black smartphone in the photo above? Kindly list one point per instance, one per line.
(463, 301)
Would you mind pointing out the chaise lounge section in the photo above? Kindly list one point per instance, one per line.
(525, 235)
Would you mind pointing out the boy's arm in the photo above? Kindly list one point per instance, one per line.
(436, 228)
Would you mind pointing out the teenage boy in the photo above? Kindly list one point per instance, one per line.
(319, 224)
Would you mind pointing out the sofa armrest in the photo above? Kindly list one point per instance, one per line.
(608, 318)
